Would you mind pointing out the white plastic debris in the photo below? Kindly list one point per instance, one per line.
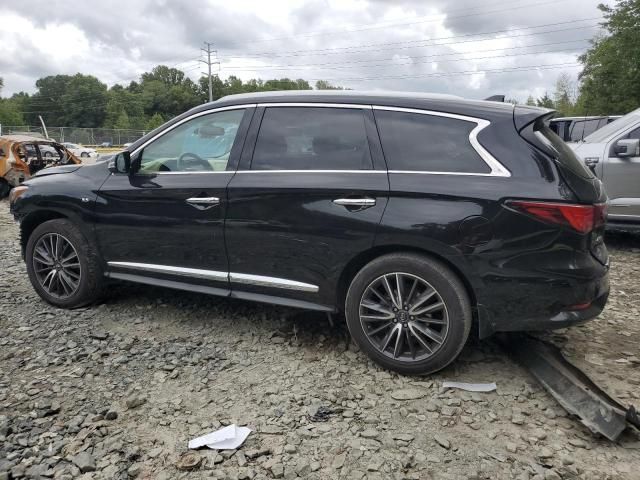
(227, 438)
(471, 387)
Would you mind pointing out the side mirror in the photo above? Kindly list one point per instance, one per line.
(628, 147)
(121, 163)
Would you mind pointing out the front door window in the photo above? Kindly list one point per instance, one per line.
(202, 144)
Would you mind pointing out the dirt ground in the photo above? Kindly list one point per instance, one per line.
(118, 389)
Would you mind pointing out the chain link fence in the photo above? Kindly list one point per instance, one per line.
(84, 136)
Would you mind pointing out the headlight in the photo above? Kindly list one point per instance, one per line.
(16, 193)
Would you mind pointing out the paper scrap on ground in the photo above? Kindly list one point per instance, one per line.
(227, 438)
(471, 387)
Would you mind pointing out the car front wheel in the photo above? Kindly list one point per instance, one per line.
(408, 313)
(63, 266)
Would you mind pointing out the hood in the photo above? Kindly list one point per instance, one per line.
(58, 169)
(584, 149)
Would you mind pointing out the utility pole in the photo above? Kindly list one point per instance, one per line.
(208, 61)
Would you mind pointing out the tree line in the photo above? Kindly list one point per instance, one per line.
(608, 84)
(164, 92)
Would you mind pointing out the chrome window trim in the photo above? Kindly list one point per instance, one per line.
(265, 281)
(497, 169)
(191, 117)
(358, 106)
(187, 272)
(244, 278)
(312, 171)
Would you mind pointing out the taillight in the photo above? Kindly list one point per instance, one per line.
(581, 218)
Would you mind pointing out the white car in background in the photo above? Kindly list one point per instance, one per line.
(80, 151)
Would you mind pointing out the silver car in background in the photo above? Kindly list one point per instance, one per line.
(613, 154)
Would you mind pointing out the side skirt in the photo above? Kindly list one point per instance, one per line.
(220, 292)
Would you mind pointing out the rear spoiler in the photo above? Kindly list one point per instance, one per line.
(495, 98)
(524, 115)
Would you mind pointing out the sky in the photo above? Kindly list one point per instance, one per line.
(469, 48)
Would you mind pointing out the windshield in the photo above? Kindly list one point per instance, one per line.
(614, 127)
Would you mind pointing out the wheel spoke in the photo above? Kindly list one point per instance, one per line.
(421, 300)
(424, 344)
(435, 321)
(430, 308)
(429, 333)
(408, 337)
(68, 258)
(397, 349)
(387, 287)
(387, 339)
(43, 256)
(399, 290)
(380, 328)
(378, 308)
(412, 291)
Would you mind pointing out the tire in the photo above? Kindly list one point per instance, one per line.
(88, 274)
(5, 188)
(448, 320)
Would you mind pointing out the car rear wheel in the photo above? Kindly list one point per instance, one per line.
(408, 313)
(63, 266)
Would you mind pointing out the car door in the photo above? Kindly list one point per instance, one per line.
(166, 220)
(307, 198)
(620, 177)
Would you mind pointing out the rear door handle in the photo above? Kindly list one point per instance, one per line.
(355, 202)
(203, 203)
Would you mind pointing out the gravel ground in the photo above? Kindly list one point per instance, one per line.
(118, 389)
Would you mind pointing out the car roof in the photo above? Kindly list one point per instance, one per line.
(420, 100)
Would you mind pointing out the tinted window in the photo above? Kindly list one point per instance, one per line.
(634, 133)
(312, 138)
(582, 128)
(418, 142)
(199, 145)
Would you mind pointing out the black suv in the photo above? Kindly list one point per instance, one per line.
(413, 215)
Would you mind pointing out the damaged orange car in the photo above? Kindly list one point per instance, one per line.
(21, 156)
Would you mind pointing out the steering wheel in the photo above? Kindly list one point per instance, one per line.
(193, 162)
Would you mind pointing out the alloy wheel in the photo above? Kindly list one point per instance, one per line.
(56, 265)
(404, 317)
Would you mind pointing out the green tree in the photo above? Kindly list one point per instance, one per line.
(611, 77)
(545, 101)
(155, 121)
(325, 85)
(564, 95)
(531, 101)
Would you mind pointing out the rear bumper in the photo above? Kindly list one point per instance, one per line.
(594, 292)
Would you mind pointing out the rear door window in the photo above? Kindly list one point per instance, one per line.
(420, 142)
(312, 138)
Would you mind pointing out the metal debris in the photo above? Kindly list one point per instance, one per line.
(576, 392)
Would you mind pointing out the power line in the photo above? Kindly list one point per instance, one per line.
(349, 64)
(450, 74)
(421, 43)
(375, 26)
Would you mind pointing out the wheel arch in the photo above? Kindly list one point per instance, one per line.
(363, 258)
(29, 223)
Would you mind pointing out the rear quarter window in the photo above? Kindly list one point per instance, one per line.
(422, 142)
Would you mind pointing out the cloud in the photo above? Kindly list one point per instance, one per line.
(438, 46)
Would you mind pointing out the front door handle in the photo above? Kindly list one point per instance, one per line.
(203, 203)
(355, 202)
